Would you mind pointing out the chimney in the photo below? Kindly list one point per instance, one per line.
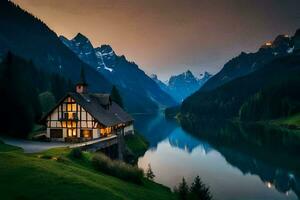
(81, 86)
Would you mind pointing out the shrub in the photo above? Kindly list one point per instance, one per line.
(117, 168)
(76, 153)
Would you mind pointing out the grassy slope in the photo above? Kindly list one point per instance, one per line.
(25, 176)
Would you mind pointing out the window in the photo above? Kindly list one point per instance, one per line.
(105, 131)
(64, 124)
(86, 133)
(70, 124)
(56, 133)
(72, 133)
(71, 107)
(74, 115)
(74, 107)
(66, 115)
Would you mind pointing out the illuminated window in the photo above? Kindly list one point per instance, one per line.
(74, 132)
(74, 107)
(70, 132)
(64, 124)
(268, 43)
(86, 133)
(69, 107)
(105, 131)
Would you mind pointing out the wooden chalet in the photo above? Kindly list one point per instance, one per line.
(81, 116)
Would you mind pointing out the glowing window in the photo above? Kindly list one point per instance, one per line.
(70, 132)
(74, 107)
(64, 124)
(69, 107)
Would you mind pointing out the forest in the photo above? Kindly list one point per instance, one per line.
(26, 93)
(268, 93)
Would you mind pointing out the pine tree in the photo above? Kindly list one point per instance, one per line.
(199, 191)
(183, 190)
(149, 174)
(116, 97)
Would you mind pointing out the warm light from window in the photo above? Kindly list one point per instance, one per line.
(70, 132)
(74, 107)
(69, 107)
(268, 43)
(64, 124)
(86, 133)
(105, 131)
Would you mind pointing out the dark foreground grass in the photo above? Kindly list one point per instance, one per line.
(54, 175)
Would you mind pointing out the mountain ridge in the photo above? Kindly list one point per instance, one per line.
(42, 46)
(246, 63)
(126, 75)
(182, 85)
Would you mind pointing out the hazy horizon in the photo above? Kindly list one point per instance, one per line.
(169, 37)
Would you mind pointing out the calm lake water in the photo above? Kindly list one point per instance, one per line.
(174, 154)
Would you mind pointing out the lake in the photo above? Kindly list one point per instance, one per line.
(230, 174)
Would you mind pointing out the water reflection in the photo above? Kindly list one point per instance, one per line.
(230, 174)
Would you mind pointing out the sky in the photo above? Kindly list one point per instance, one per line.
(167, 37)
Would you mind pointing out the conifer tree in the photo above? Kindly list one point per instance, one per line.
(183, 190)
(199, 191)
(149, 174)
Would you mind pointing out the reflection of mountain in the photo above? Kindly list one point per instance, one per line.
(154, 127)
(178, 138)
(272, 176)
(253, 149)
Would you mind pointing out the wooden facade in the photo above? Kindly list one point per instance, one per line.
(70, 122)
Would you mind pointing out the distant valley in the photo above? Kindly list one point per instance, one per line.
(182, 85)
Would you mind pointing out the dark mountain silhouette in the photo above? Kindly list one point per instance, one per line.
(268, 93)
(30, 38)
(247, 63)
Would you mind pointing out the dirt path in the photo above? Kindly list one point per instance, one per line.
(32, 146)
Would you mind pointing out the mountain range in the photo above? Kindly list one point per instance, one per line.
(127, 76)
(28, 37)
(266, 92)
(246, 63)
(182, 85)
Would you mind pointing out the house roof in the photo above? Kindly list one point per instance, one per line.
(100, 107)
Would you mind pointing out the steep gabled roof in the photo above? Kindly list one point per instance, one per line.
(100, 107)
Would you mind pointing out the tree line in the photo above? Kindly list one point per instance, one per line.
(25, 92)
(269, 93)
